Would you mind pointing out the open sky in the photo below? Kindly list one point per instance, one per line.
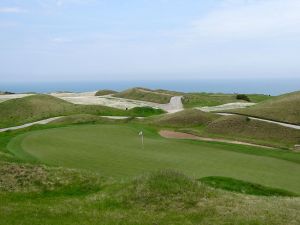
(148, 39)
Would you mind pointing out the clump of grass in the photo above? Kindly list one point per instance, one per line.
(244, 187)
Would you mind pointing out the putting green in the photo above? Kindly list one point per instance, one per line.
(115, 150)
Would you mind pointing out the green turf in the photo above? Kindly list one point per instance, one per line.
(243, 187)
(115, 150)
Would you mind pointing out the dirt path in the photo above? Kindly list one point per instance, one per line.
(181, 135)
(264, 120)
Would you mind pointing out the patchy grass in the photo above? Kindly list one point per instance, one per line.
(145, 95)
(283, 108)
(244, 187)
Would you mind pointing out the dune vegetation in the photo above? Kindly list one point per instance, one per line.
(284, 108)
(105, 92)
(213, 99)
(37, 107)
(145, 95)
(185, 118)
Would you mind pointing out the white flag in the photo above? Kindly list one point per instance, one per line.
(141, 133)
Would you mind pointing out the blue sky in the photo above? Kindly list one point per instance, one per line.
(45, 40)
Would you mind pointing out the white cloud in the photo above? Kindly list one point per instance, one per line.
(11, 10)
(249, 19)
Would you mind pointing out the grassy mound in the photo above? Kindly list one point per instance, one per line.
(164, 197)
(42, 180)
(241, 127)
(105, 92)
(162, 187)
(185, 118)
(244, 187)
(284, 108)
(37, 107)
(145, 95)
(214, 99)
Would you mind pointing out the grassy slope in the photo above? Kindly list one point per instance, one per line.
(90, 147)
(212, 99)
(58, 196)
(244, 187)
(144, 95)
(285, 108)
(105, 92)
(185, 118)
(19, 111)
(241, 128)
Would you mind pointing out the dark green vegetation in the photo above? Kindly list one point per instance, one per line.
(284, 108)
(243, 97)
(213, 99)
(115, 150)
(145, 95)
(6, 93)
(105, 92)
(185, 118)
(37, 107)
(244, 187)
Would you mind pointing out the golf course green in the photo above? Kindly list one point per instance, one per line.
(116, 151)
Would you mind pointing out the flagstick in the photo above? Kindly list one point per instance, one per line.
(143, 140)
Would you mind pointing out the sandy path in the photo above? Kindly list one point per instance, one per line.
(31, 124)
(180, 135)
(265, 120)
(233, 105)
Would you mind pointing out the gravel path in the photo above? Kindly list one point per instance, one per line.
(265, 120)
(180, 135)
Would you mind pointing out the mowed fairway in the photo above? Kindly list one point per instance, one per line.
(115, 150)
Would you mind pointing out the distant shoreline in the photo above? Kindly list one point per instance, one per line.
(247, 86)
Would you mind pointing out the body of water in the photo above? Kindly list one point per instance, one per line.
(263, 86)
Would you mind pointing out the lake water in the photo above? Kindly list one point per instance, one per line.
(272, 86)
